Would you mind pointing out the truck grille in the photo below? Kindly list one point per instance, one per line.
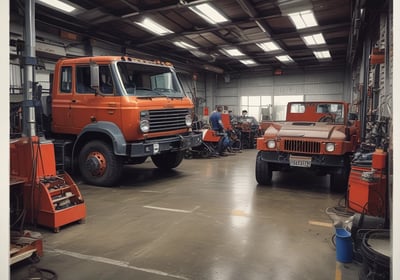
(302, 146)
(165, 120)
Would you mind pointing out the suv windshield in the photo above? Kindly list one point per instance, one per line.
(149, 80)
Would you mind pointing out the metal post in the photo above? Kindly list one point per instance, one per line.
(29, 121)
(364, 94)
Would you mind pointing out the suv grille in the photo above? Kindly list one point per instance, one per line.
(165, 120)
(302, 146)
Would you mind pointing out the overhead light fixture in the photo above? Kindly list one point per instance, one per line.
(284, 58)
(315, 39)
(322, 54)
(198, 53)
(57, 4)
(269, 46)
(248, 62)
(303, 19)
(209, 13)
(233, 52)
(154, 27)
(184, 45)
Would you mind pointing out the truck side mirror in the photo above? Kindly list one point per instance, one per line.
(94, 76)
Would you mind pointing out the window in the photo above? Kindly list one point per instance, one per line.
(280, 105)
(254, 105)
(106, 82)
(297, 108)
(66, 79)
(83, 80)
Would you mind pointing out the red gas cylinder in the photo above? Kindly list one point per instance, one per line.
(379, 159)
(205, 112)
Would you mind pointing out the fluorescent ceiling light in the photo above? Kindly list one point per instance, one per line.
(303, 19)
(322, 54)
(184, 45)
(233, 52)
(284, 58)
(248, 61)
(312, 40)
(209, 13)
(198, 53)
(154, 27)
(269, 46)
(57, 4)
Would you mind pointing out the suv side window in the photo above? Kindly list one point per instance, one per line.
(66, 79)
(83, 80)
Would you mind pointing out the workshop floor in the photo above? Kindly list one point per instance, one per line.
(208, 220)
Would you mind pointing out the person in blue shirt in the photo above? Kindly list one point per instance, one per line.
(218, 126)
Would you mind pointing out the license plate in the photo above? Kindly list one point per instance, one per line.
(298, 161)
(156, 148)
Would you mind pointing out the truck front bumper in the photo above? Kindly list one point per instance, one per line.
(282, 158)
(161, 145)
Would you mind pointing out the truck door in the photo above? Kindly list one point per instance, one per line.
(61, 100)
(88, 106)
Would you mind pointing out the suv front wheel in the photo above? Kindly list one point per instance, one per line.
(263, 171)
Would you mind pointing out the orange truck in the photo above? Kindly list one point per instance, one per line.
(317, 136)
(107, 111)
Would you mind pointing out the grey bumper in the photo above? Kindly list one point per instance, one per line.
(162, 145)
(316, 160)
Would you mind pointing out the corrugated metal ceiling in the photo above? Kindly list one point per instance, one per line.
(113, 21)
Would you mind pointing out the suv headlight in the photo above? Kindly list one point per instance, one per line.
(188, 120)
(271, 144)
(330, 147)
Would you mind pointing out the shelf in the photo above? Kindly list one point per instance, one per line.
(59, 189)
(62, 198)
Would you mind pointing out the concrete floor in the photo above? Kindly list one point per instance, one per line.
(208, 220)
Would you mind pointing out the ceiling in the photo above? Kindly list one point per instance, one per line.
(250, 22)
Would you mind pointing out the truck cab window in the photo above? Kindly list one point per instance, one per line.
(66, 79)
(83, 80)
(297, 108)
(106, 82)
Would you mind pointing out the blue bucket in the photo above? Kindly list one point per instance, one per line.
(344, 246)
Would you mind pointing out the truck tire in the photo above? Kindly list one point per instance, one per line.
(263, 171)
(338, 182)
(99, 165)
(168, 160)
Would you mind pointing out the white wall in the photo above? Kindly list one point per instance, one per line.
(312, 86)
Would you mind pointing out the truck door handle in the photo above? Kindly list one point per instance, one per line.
(73, 100)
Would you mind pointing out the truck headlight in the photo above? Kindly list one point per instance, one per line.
(330, 147)
(144, 126)
(188, 120)
(271, 144)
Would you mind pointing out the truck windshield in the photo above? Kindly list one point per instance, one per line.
(146, 80)
(332, 112)
(316, 112)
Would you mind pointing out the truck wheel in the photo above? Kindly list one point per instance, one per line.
(168, 160)
(263, 171)
(338, 182)
(99, 165)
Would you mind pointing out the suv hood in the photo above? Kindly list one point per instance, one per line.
(310, 130)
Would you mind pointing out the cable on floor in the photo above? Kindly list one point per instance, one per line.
(39, 273)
